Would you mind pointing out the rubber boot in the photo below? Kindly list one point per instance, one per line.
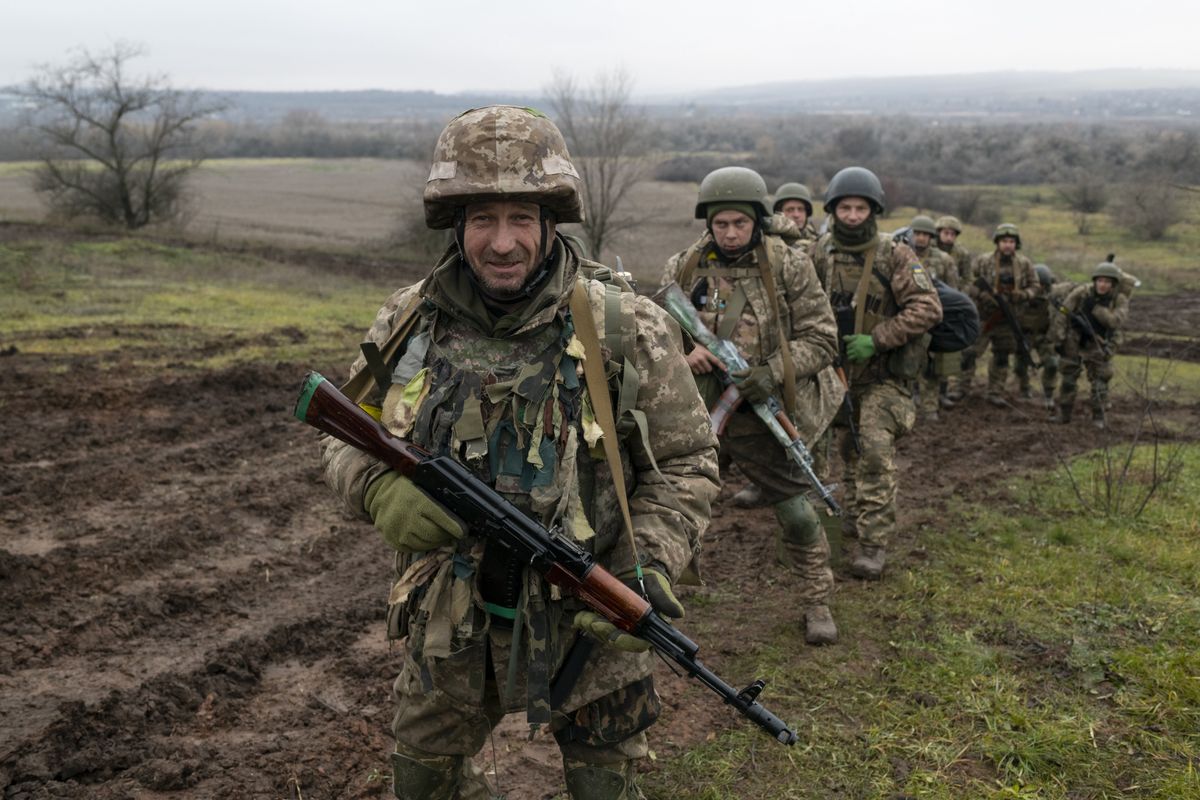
(430, 777)
(1064, 414)
(868, 564)
(751, 496)
(601, 781)
(1098, 420)
(819, 627)
(1048, 399)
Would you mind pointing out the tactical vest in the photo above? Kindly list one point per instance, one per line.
(859, 289)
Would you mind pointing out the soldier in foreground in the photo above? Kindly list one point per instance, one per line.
(1012, 277)
(1087, 329)
(933, 382)
(884, 303)
(481, 361)
(754, 290)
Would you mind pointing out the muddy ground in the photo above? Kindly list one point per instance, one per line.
(186, 612)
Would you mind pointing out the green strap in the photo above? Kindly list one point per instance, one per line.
(732, 313)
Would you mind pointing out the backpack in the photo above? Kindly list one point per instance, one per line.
(959, 327)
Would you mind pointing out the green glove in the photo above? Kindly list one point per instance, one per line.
(658, 592)
(859, 347)
(756, 384)
(409, 519)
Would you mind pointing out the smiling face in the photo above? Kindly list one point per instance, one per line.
(502, 240)
(731, 230)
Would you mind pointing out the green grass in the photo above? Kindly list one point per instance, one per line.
(1041, 653)
(131, 302)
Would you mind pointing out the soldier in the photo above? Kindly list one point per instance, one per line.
(794, 202)
(884, 303)
(948, 231)
(1087, 333)
(1011, 275)
(752, 289)
(481, 361)
(1036, 321)
(934, 380)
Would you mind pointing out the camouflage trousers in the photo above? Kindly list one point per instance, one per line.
(940, 369)
(1048, 359)
(884, 413)
(438, 729)
(801, 544)
(1099, 372)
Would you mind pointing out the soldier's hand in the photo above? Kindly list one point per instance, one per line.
(756, 384)
(658, 589)
(409, 519)
(702, 361)
(859, 347)
(599, 628)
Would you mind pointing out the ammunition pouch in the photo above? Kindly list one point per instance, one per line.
(614, 717)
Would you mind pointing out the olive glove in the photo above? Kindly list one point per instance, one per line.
(409, 519)
(756, 384)
(658, 592)
(859, 347)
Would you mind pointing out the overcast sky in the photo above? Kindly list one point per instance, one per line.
(453, 46)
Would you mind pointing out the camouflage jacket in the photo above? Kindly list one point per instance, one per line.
(1017, 273)
(939, 265)
(1107, 314)
(733, 302)
(901, 303)
(513, 407)
(792, 234)
(961, 257)
(1037, 316)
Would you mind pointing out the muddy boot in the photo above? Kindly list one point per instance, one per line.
(749, 497)
(868, 564)
(997, 399)
(1098, 420)
(1027, 391)
(1063, 414)
(1048, 399)
(819, 627)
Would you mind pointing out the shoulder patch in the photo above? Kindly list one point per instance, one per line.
(920, 276)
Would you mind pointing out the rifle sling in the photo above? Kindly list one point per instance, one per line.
(785, 349)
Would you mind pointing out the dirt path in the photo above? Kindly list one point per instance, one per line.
(186, 612)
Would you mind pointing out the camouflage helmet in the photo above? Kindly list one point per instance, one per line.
(1107, 269)
(793, 191)
(855, 182)
(923, 224)
(950, 222)
(1045, 275)
(732, 185)
(501, 153)
(1007, 229)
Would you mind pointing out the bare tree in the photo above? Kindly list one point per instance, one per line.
(1148, 209)
(607, 139)
(114, 147)
(1085, 195)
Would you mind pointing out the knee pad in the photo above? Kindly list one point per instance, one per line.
(799, 520)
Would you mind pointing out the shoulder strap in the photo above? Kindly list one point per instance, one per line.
(597, 385)
(785, 349)
(689, 268)
(359, 385)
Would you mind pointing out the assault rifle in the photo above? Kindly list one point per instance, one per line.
(556, 558)
(770, 412)
(1006, 309)
(1083, 323)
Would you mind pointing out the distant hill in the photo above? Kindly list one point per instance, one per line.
(1095, 95)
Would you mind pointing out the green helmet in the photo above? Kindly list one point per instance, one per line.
(501, 153)
(949, 222)
(793, 191)
(1007, 229)
(1045, 275)
(923, 224)
(855, 182)
(732, 185)
(1107, 269)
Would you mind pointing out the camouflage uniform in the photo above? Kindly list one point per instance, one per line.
(940, 366)
(502, 393)
(1107, 314)
(1016, 276)
(1036, 319)
(898, 311)
(793, 235)
(733, 302)
(959, 384)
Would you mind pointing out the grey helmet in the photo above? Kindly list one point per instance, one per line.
(855, 182)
